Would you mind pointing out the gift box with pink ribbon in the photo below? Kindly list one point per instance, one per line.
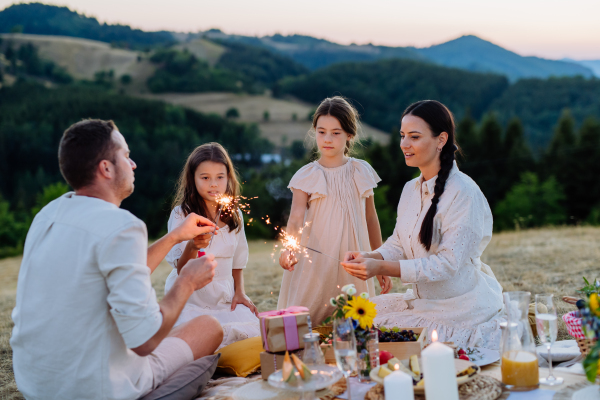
(283, 330)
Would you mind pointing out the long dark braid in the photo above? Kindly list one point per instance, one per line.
(439, 119)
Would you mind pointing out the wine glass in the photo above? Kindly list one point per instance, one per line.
(547, 328)
(344, 347)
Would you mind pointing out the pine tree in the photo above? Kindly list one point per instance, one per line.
(586, 190)
(488, 173)
(561, 158)
(519, 158)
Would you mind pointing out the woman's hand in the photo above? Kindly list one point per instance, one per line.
(241, 298)
(287, 260)
(385, 282)
(351, 255)
(362, 268)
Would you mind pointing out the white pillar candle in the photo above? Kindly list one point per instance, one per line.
(438, 371)
(398, 386)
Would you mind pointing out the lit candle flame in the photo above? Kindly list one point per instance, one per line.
(434, 336)
(397, 367)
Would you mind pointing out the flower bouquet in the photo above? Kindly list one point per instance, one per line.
(362, 312)
(590, 324)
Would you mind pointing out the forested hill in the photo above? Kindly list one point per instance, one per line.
(467, 52)
(475, 54)
(384, 88)
(42, 19)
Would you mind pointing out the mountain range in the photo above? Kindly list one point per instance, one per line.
(467, 52)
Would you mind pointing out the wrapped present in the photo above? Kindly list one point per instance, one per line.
(283, 330)
(271, 362)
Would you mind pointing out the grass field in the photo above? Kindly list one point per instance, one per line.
(82, 58)
(281, 128)
(539, 261)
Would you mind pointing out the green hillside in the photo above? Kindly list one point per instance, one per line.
(316, 53)
(540, 102)
(383, 89)
(42, 19)
(32, 120)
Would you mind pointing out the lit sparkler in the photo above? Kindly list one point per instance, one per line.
(292, 244)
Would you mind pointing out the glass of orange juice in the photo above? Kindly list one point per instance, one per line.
(520, 371)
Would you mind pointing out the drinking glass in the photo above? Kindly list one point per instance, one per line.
(344, 347)
(547, 328)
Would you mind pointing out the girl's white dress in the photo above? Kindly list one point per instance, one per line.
(334, 223)
(231, 252)
(452, 292)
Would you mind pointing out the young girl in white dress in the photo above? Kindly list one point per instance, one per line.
(208, 174)
(444, 223)
(334, 207)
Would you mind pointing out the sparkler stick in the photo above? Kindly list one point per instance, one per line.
(320, 252)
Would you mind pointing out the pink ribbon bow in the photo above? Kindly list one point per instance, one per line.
(292, 341)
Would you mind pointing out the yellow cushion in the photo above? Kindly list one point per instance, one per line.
(241, 358)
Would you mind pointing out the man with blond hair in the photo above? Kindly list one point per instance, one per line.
(87, 321)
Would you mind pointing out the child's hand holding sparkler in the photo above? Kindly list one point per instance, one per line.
(287, 258)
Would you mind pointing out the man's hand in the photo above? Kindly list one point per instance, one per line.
(385, 282)
(241, 298)
(287, 260)
(200, 271)
(192, 226)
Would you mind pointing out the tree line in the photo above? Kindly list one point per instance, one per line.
(382, 89)
(525, 187)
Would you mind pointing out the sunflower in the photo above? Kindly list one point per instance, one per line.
(361, 310)
(595, 304)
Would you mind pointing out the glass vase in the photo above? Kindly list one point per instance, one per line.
(367, 349)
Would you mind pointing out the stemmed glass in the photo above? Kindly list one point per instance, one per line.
(344, 347)
(547, 328)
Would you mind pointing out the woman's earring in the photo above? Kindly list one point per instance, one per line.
(439, 150)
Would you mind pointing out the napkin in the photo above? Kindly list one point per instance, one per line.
(564, 350)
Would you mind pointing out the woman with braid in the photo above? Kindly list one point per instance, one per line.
(444, 223)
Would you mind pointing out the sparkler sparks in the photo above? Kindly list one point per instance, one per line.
(292, 244)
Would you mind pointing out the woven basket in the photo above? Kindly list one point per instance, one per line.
(585, 345)
(323, 330)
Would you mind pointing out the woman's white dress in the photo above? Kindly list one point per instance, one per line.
(452, 292)
(231, 252)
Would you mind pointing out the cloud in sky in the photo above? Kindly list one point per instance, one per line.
(545, 28)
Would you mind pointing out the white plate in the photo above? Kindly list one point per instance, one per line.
(485, 356)
(459, 365)
(322, 376)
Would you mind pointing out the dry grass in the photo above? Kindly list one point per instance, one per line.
(280, 128)
(544, 260)
(203, 49)
(82, 58)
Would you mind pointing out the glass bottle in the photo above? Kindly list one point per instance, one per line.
(520, 371)
(312, 350)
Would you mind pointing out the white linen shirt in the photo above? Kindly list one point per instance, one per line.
(84, 299)
(462, 228)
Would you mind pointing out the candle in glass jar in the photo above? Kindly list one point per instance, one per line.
(438, 371)
(398, 386)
